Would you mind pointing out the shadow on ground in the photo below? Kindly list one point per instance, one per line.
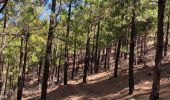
(114, 88)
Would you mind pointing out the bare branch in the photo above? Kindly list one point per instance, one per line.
(3, 7)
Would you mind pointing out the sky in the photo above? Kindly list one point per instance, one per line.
(46, 11)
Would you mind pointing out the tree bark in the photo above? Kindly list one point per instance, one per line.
(22, 65)
(48, 52)
(39, 69)
(117, 57)
(66, 60)
(96, 66)
(154, 95)
(145, 44)
(86, 66)
(132, 47)
(105, 59)
(74, 60)
(59, 67)
(166, 38)
(92, 55)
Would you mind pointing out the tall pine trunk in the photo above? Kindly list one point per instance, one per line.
(132, 47)
(154, 95)
(74, 60)
(96, 65)
(86, 66)
(66, 60)
(48, 52)
(22, 65)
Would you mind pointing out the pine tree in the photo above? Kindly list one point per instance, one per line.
(48, 52)
(154, 95)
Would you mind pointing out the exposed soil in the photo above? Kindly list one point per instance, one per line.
(103, 86)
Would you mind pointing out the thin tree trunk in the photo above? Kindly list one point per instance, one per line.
(98, 59)
(39, 69)
(108, 56)
(86, 66)
(92, 61)
(96, 49)
(5, 21)
(59, 67)
(166, 38)
(154, 95)
(145, 44)
(22, 65)
(74, 60)
(142, 48)
(105, 59)
(66, 60)
(96, 66)
(117, 57)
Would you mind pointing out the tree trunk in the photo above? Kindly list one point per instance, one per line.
(154, 95)
(86, 66)
(105, 59)
(145, 44)
(93, 59)
(74, 60)
(39, 69)
(48, 52)
(98, 59)
(117, 57)
(66, 60)
(166, 38)
(142, 48)
(5, 21)
(108, 56)
(96, 66)
(59, 67)
(22, 65)
(132, 47)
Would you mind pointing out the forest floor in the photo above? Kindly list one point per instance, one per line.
(103, 86)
